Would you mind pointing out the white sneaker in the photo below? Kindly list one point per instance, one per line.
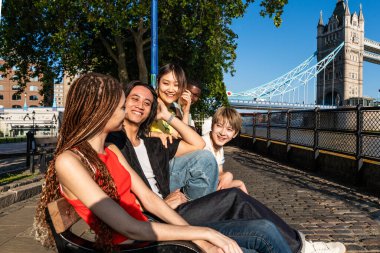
(324, 247)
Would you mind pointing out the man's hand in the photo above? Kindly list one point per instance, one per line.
(175, 199)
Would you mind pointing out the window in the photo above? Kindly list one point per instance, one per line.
(33, 97)
(1, 87)
(16, 87)
(34, 79)
(1, 97)
(33, 88)
(16, 106)
(16, 97)
(33, 106)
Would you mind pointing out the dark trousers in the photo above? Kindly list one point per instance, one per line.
(233, 204)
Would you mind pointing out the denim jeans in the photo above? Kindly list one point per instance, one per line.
(253, 235)
(196, 174)
(233, 204)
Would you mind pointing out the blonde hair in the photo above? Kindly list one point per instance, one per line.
(230, 115)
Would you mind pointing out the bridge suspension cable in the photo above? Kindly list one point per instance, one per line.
(286, 83)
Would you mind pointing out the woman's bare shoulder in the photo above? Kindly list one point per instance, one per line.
(67, 159)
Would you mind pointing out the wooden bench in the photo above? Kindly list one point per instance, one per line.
(61, 217)
(42, 146)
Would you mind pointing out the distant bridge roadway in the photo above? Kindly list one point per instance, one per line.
(267, 105)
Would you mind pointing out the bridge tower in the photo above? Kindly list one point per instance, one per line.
(342, 78)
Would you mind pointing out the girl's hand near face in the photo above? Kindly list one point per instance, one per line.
(185, 101)
(162, 111)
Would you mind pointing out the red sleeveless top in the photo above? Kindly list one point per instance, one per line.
(123, 183)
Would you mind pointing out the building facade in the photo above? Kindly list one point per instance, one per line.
(343, 78)
(59, 94)
(10, 96)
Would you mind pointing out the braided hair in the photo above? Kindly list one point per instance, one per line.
(91, 101)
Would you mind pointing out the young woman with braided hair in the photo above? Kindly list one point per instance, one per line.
(97, 181)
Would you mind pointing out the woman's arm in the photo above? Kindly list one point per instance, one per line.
(155, 205)
(191, 140)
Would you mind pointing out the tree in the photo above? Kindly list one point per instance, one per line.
(113, 37)
(25, 47)
(198, 36)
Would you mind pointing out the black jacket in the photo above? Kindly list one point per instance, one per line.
(159, 157)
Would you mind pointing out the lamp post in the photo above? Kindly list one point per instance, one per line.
(1, 3)
(26, 116)
(53, 124)
(154, 45)
(33, 118)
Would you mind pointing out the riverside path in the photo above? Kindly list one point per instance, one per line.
(321, 209)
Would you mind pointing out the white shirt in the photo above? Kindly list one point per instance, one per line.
(219, 155)
(142, 156)
(206, 126)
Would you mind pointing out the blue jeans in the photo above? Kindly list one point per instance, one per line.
(253, 235)
(196, 174)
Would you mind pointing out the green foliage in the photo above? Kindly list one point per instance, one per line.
(113, 37)
(12, 139)
(25, 42)
(9, 178)
(274, 9)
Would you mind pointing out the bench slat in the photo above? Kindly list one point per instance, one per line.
(63, 215)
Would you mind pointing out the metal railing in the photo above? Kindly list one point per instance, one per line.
(353, 131)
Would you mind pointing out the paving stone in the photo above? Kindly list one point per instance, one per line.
(356, 247)
(323, 210)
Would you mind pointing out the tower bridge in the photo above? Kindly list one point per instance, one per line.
(371, 51)
(338, 74)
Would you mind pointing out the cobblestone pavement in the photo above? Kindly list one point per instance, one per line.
(321, 209)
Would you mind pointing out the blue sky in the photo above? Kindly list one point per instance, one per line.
(265, 52)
